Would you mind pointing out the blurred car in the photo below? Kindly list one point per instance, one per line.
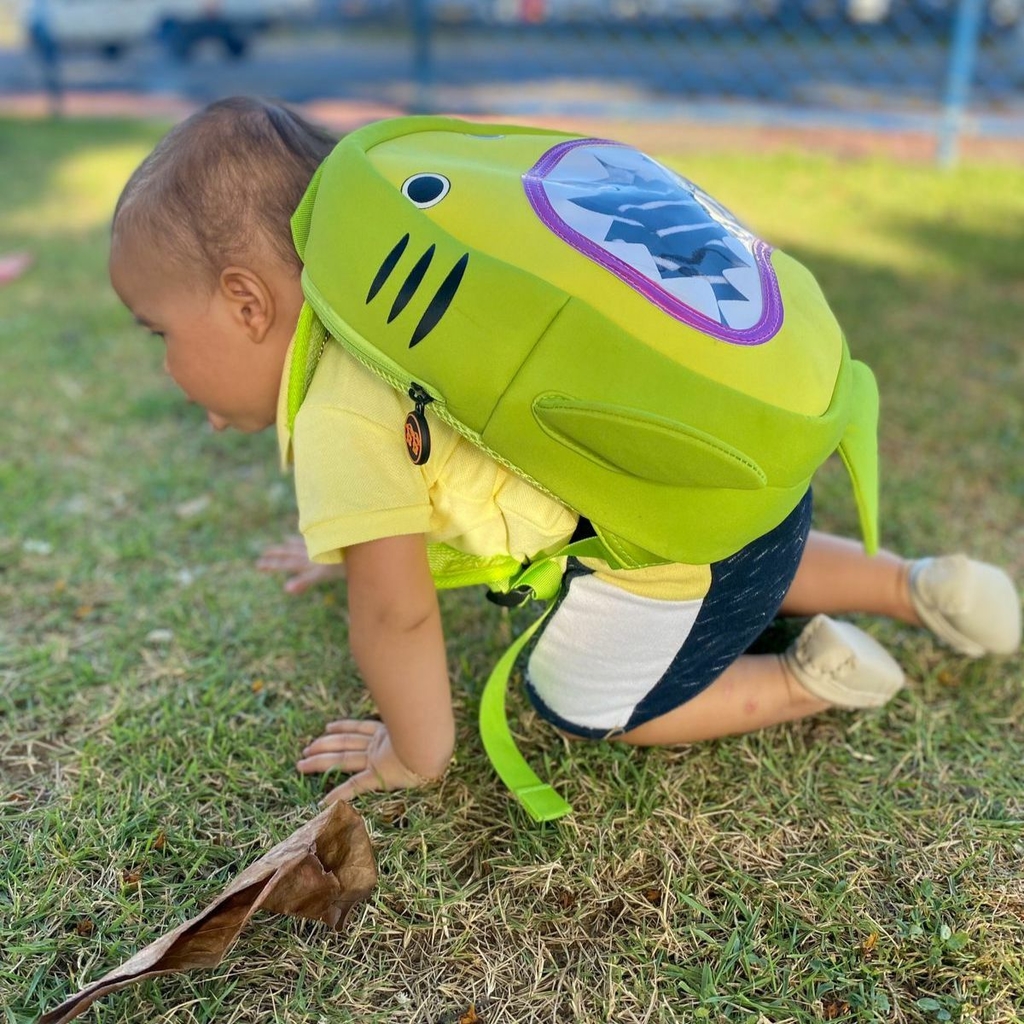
(932, 19)
(110, 27)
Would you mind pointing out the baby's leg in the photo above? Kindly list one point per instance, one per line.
(831, 663)
(754, 692)
(836, 575)
(970, 606)
(613, 662)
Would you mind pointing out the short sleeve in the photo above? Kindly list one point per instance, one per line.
(354, 481)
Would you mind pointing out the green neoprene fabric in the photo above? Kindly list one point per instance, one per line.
(680, 437)
(527, 284)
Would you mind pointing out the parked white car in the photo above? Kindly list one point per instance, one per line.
(112, 26)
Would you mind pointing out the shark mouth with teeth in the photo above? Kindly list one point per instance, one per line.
(660, 234)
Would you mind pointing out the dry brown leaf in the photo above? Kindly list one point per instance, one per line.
(320, 872)
(470, 1017)
(834, 1008)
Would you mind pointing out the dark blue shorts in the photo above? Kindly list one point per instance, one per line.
(606, 662)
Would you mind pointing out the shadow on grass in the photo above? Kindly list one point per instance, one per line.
(929, 326)
(973, 252)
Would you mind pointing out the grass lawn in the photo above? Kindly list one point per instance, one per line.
(155, 689)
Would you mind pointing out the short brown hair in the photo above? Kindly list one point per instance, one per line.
(222, 185)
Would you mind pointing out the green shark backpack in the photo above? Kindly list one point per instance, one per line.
(595, 322)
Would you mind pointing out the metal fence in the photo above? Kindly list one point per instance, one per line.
(938, 66)
(933, 65)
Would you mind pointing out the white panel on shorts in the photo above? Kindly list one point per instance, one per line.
(604, 649)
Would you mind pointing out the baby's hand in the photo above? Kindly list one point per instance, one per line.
(362, 748)
(290, 557)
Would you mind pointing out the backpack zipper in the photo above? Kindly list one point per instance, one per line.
(388, 371)
(420, 396)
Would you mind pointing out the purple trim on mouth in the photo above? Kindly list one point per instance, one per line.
(771, 316)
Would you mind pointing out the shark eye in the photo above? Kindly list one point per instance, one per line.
(425, 190)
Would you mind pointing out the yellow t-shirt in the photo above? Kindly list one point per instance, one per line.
(355, 482)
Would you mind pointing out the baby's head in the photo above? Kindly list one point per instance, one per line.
(201, 251)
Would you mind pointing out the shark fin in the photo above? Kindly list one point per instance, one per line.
(644, 445)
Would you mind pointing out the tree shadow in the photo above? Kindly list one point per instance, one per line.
(946, 351)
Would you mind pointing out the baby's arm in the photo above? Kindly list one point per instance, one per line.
(397, 642)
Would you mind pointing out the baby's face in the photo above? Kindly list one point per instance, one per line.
(210, 352)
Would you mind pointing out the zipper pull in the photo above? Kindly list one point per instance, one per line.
(417, 430)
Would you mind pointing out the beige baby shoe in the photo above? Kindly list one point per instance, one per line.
(971, 606)
(840, 663)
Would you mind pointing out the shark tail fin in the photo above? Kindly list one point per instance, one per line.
(859, 451)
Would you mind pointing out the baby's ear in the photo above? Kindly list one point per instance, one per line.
(249, 299)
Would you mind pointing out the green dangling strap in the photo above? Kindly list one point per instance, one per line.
(541, 801)
(542, 579)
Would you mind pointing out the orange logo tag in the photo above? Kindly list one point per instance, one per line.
(417, 438)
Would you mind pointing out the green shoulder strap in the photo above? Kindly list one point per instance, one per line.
(452, 568)
(307, 348)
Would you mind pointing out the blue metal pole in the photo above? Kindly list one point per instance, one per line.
(962, 59)
(422, 25)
